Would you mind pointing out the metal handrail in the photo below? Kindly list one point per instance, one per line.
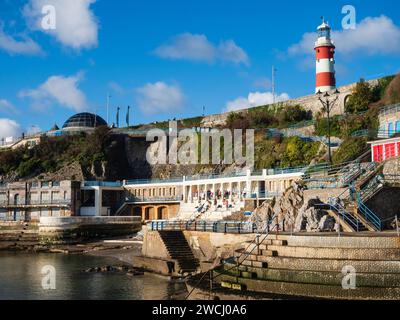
(390, 109)
(152, 181)
(369, 215)
(256, 241)
(102, 184)
(372, 188)
(232, 227)
(343, 213)
(35, 202)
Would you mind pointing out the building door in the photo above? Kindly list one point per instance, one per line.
(391, 129)
(378, 153)
(390, 150)
(16, 213)
(162, 213)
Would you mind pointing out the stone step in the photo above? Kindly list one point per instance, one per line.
(345, 241)
(318, 277)
(312, 290)
(183, 258)
(182, 247)
(179, 250)
(338, 253)
(254, 263)
(241, 255)
(335, 265)
(254, 247)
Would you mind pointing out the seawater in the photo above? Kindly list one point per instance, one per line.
(21, 279)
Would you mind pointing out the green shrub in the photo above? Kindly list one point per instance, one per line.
(350, 149)
(290, 152)
(54, 152)
(299, 152)
(321, 127)
(268, 117)
(363, 95)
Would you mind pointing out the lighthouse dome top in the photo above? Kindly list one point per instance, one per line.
(324, 26)
(324, 30)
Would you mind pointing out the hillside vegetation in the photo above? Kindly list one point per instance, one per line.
(106, 156)
(53, 154)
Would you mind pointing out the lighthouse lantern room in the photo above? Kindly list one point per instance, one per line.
(325, 55)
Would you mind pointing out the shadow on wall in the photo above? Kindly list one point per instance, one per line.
(386, 204)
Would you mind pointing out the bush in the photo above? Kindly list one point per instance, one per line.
(350, 149)
(290, 152)
(54, 152)
(383, 84)
(238, 120)
(299, 152)
(363, 95)
(321, 127)
(268, 117)
(293, 114)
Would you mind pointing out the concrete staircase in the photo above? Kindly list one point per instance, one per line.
(179, 250)
(312, 267)
(188, 211)
(20, 234)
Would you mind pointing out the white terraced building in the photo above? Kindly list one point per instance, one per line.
(206, 197)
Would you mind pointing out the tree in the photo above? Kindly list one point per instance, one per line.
(363, 95)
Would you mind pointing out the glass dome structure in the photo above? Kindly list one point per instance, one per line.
(84, 120)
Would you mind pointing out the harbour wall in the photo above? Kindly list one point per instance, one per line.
(65, 230)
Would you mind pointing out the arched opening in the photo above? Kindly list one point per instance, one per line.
(162, 213)
(345, 100)
(137, 211)
(149, 213)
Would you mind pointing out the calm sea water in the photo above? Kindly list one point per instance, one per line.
(21, 278)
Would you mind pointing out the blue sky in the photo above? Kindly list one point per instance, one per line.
(170, 58)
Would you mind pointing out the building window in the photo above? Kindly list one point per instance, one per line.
(45, 184)
(56, 183)
(390, 129)
(397, 126)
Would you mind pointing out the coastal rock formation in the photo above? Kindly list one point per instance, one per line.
(312, 219)
(293, 214)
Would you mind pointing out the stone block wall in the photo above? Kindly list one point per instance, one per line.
(310, 103)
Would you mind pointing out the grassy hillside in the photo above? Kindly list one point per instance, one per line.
(105, 156)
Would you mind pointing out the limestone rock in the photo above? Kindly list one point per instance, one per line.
(292, 214)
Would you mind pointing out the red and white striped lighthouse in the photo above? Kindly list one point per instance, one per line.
(325, 53)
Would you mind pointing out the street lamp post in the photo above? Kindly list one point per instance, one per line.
(328, 102)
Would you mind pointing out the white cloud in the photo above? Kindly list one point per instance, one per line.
(76, 24)
(196, 47)
(24, 45)
(9, 128)
(159, 97)
(373, 35)
(254, 99)
(60, 89)
(7, 107)
(229, 51)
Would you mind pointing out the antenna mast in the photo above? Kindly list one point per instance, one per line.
(108, 109)
(273, 84)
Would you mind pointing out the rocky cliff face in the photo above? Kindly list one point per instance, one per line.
(292, 213)
(127, 160)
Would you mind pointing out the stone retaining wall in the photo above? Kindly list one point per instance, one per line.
(76, 229)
